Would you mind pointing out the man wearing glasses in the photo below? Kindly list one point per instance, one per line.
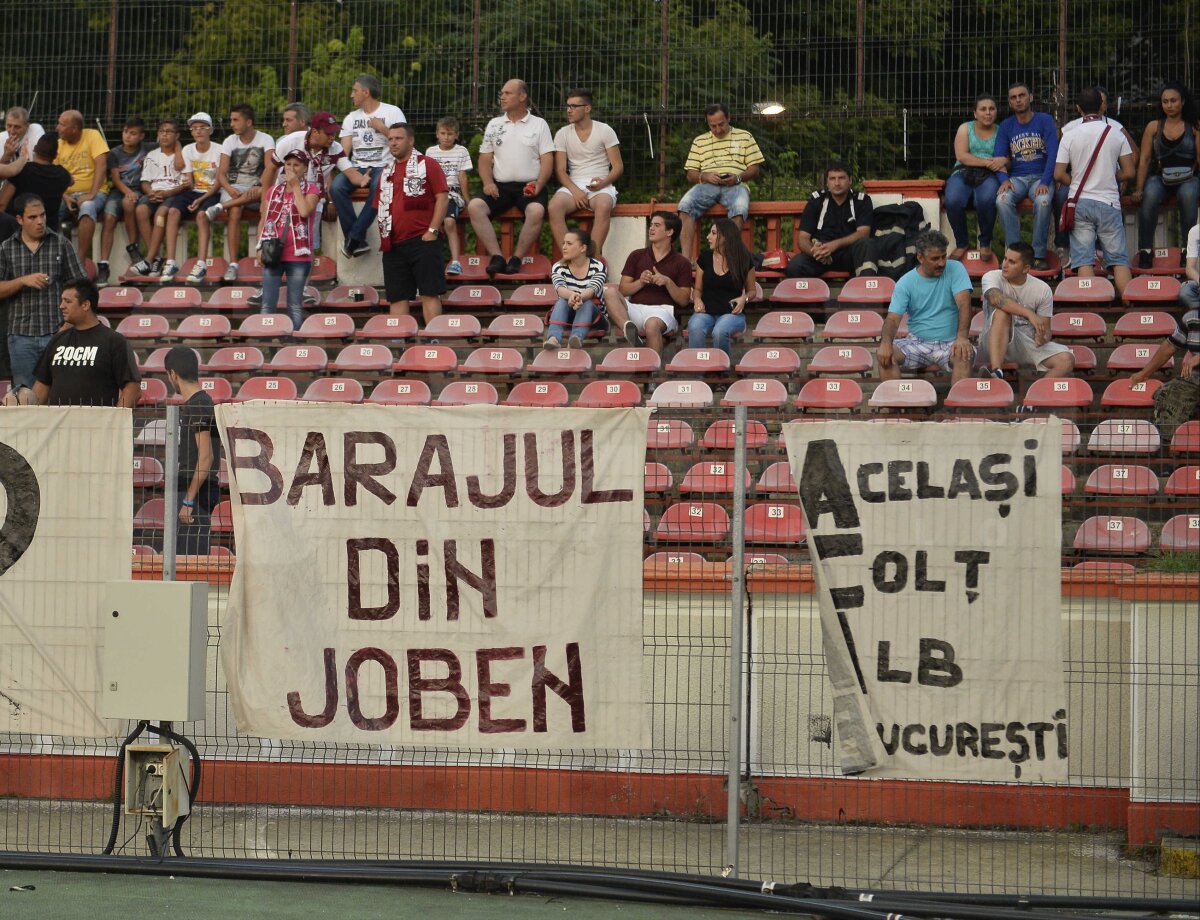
(587, 162)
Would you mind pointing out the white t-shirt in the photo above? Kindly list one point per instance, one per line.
(1076, 122)
(369, 147)
(1191, 249)
(334, 156)
(247, 159)
(452, 161)
(159, 170)
(1076, 149)
(586, 160)
(203, 165)
(32, 134)
(1034, 294)
(516, 147)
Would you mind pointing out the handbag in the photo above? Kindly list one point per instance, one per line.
(1066, 220)
(975, 176)
(270, 253)
(1175, 175)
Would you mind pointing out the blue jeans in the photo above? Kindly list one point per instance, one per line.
(340, 190)
(296, 274)
(723, 328)
(958, 195)
(1010, 220)
(578, 320)
(699, 198)
(1154, 194)
(24, 352)
(1189, 295)
(1095, 220)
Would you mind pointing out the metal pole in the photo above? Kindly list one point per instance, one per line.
(170, 492)
(860, 55)
(1063, 95)
(293, 30)
(475, 17)
(664, 60)
(111, 84)
(736, 640)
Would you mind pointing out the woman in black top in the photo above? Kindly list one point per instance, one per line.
(724, 282)
(1168, 167)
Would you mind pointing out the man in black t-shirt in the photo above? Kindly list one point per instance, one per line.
(835, 230)
(86, 364)
(199, 454)
(39, 175)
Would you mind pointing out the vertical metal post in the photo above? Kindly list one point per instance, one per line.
(737, 726)
(860, 55)
(170, 492)
(293, 31)
(111, 82)
(664, 59)
(475, 17)
(1063, 95)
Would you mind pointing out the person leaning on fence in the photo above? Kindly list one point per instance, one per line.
(1016, 319)
(1168, 166)
(936, 296)
(455, 161)
(39, 176)
(86, 363)
(587, 162)
(974, 179)
(578, 280)
(197, 484)
(1029, 140)
(243, 158)
(724, 281)
(287, 216)
(654, 282)
(835, 229)
(719, 164)
(83, 152)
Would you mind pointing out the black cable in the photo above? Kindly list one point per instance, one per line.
(749, 670)
(193, 787)
(118, 791)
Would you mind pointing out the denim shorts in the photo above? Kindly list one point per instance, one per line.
(701, 197)
(1097, 220)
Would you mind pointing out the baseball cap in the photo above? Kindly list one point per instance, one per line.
(201, 116)
(297, 154)
(324, 122)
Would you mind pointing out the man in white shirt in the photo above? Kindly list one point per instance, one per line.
(364, 138)
(516, 160)
(587, 162)
(19, 136)
(1098, 209)
(243, 157)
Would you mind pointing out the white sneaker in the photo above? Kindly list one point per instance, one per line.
(231, 273)
(198, 273)
(213, 211)
(170, 270)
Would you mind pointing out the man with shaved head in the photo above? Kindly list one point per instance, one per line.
(84, 154)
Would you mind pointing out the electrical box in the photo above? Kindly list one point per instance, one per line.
(155, 649)
(156, 781)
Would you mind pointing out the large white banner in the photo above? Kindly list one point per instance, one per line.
(936, 552)
(436, 576)
(66, 502)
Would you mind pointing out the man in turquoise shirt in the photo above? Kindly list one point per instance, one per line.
(936, 296)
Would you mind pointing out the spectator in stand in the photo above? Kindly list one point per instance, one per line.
(724, 282)
(1017, 309)
(578, 280)
(936, 295)
(1097, 189)
(19, 135)
(516, 160)
(288, 216)
(718, 166)
(295, 118)
(1167, 167)
(86, 362)
(411, 201)
(39, 176)
(1029, 140)
(973, 180)
(835, 229)
(455, 161)
(201, 162)
(1186, 339)
(654, 282)
(164, 177)
(319, 141)
(243, 158)
(587, 162)
(365, 140)
(84, 154)
(125, 173)
(199, 454)
(1189, 293)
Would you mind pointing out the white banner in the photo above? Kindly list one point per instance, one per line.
(66, 502)
(436, 576)
(936, 552)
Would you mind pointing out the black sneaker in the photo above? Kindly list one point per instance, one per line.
(156, 266)
(141, 267)
(1041, 264)
(1145, 258)
(102, 273)
(359, 248)
(255, 299)
(496, 265)
(987, 373)
(514, 266)
(135, 254)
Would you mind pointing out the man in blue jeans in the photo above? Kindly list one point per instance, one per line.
(1030, 141)
(34, 266)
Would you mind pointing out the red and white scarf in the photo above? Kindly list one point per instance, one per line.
(283, 214)
(414, 187)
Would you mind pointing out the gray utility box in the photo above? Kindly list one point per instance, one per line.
(156, 782)
(155, 648)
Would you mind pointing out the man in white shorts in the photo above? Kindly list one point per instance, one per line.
(936, 296)
(243, 158)
(1016, 319)
(587, 162)
(654, 281)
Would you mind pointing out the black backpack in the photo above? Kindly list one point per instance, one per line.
(895, 228)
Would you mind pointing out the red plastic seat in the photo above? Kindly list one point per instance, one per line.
(490, 359)
(811, 292)
(335, 390)
(1104, 533)
(1059, 393)
(119, 298)
(1068, 482)
(1181, 534)
(352, 297)
(472, 297)
(219, 390)
(533, 268)
(324, 270)
(149, 516)
(1070, 432)
(756, 559)
(203, 327)
(756, 394)
(538, 296)
(299, 359)
(720, 435)
(1185, 481)
(1149, 290)
(474, 271)
(777, 477)
(467, 393)
(609, 394)
(265, 326)
(903, 394)
(674, 559)
(365, 359)
(1077, 292)
(657, 478)
(841, 360)
(1085, 358)
(693, 522)
(386, 328)
(1124, 436)
(516, 326)
(1078, 326)
(780, 362)
(427, 359)
(1166, 261)
(624, 360)
(971, 393)
(785, 324)
(222, 517)
(151, 392)
(156, 362)
(451, 327)
(830, 393)
(774, 523)
(668, 434)
(876, 292)
(235, 359)
(230, 299)
(1144, 324)
(250, 269)
(561, 361)
(1121, 479)
(538, 394)
(692, 394)
(1104, 568)
(152, 434)
(853, 324)
(175, 298)
(1125, 394)
(144, 326)
(1132, 356)
(320, 326)
(266, 388)
(392, 392)
(1186, 439)
(710, 478)
(699, 361)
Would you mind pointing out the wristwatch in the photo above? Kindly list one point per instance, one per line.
(433, 230)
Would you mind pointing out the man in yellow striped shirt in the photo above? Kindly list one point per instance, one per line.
(719, 164)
